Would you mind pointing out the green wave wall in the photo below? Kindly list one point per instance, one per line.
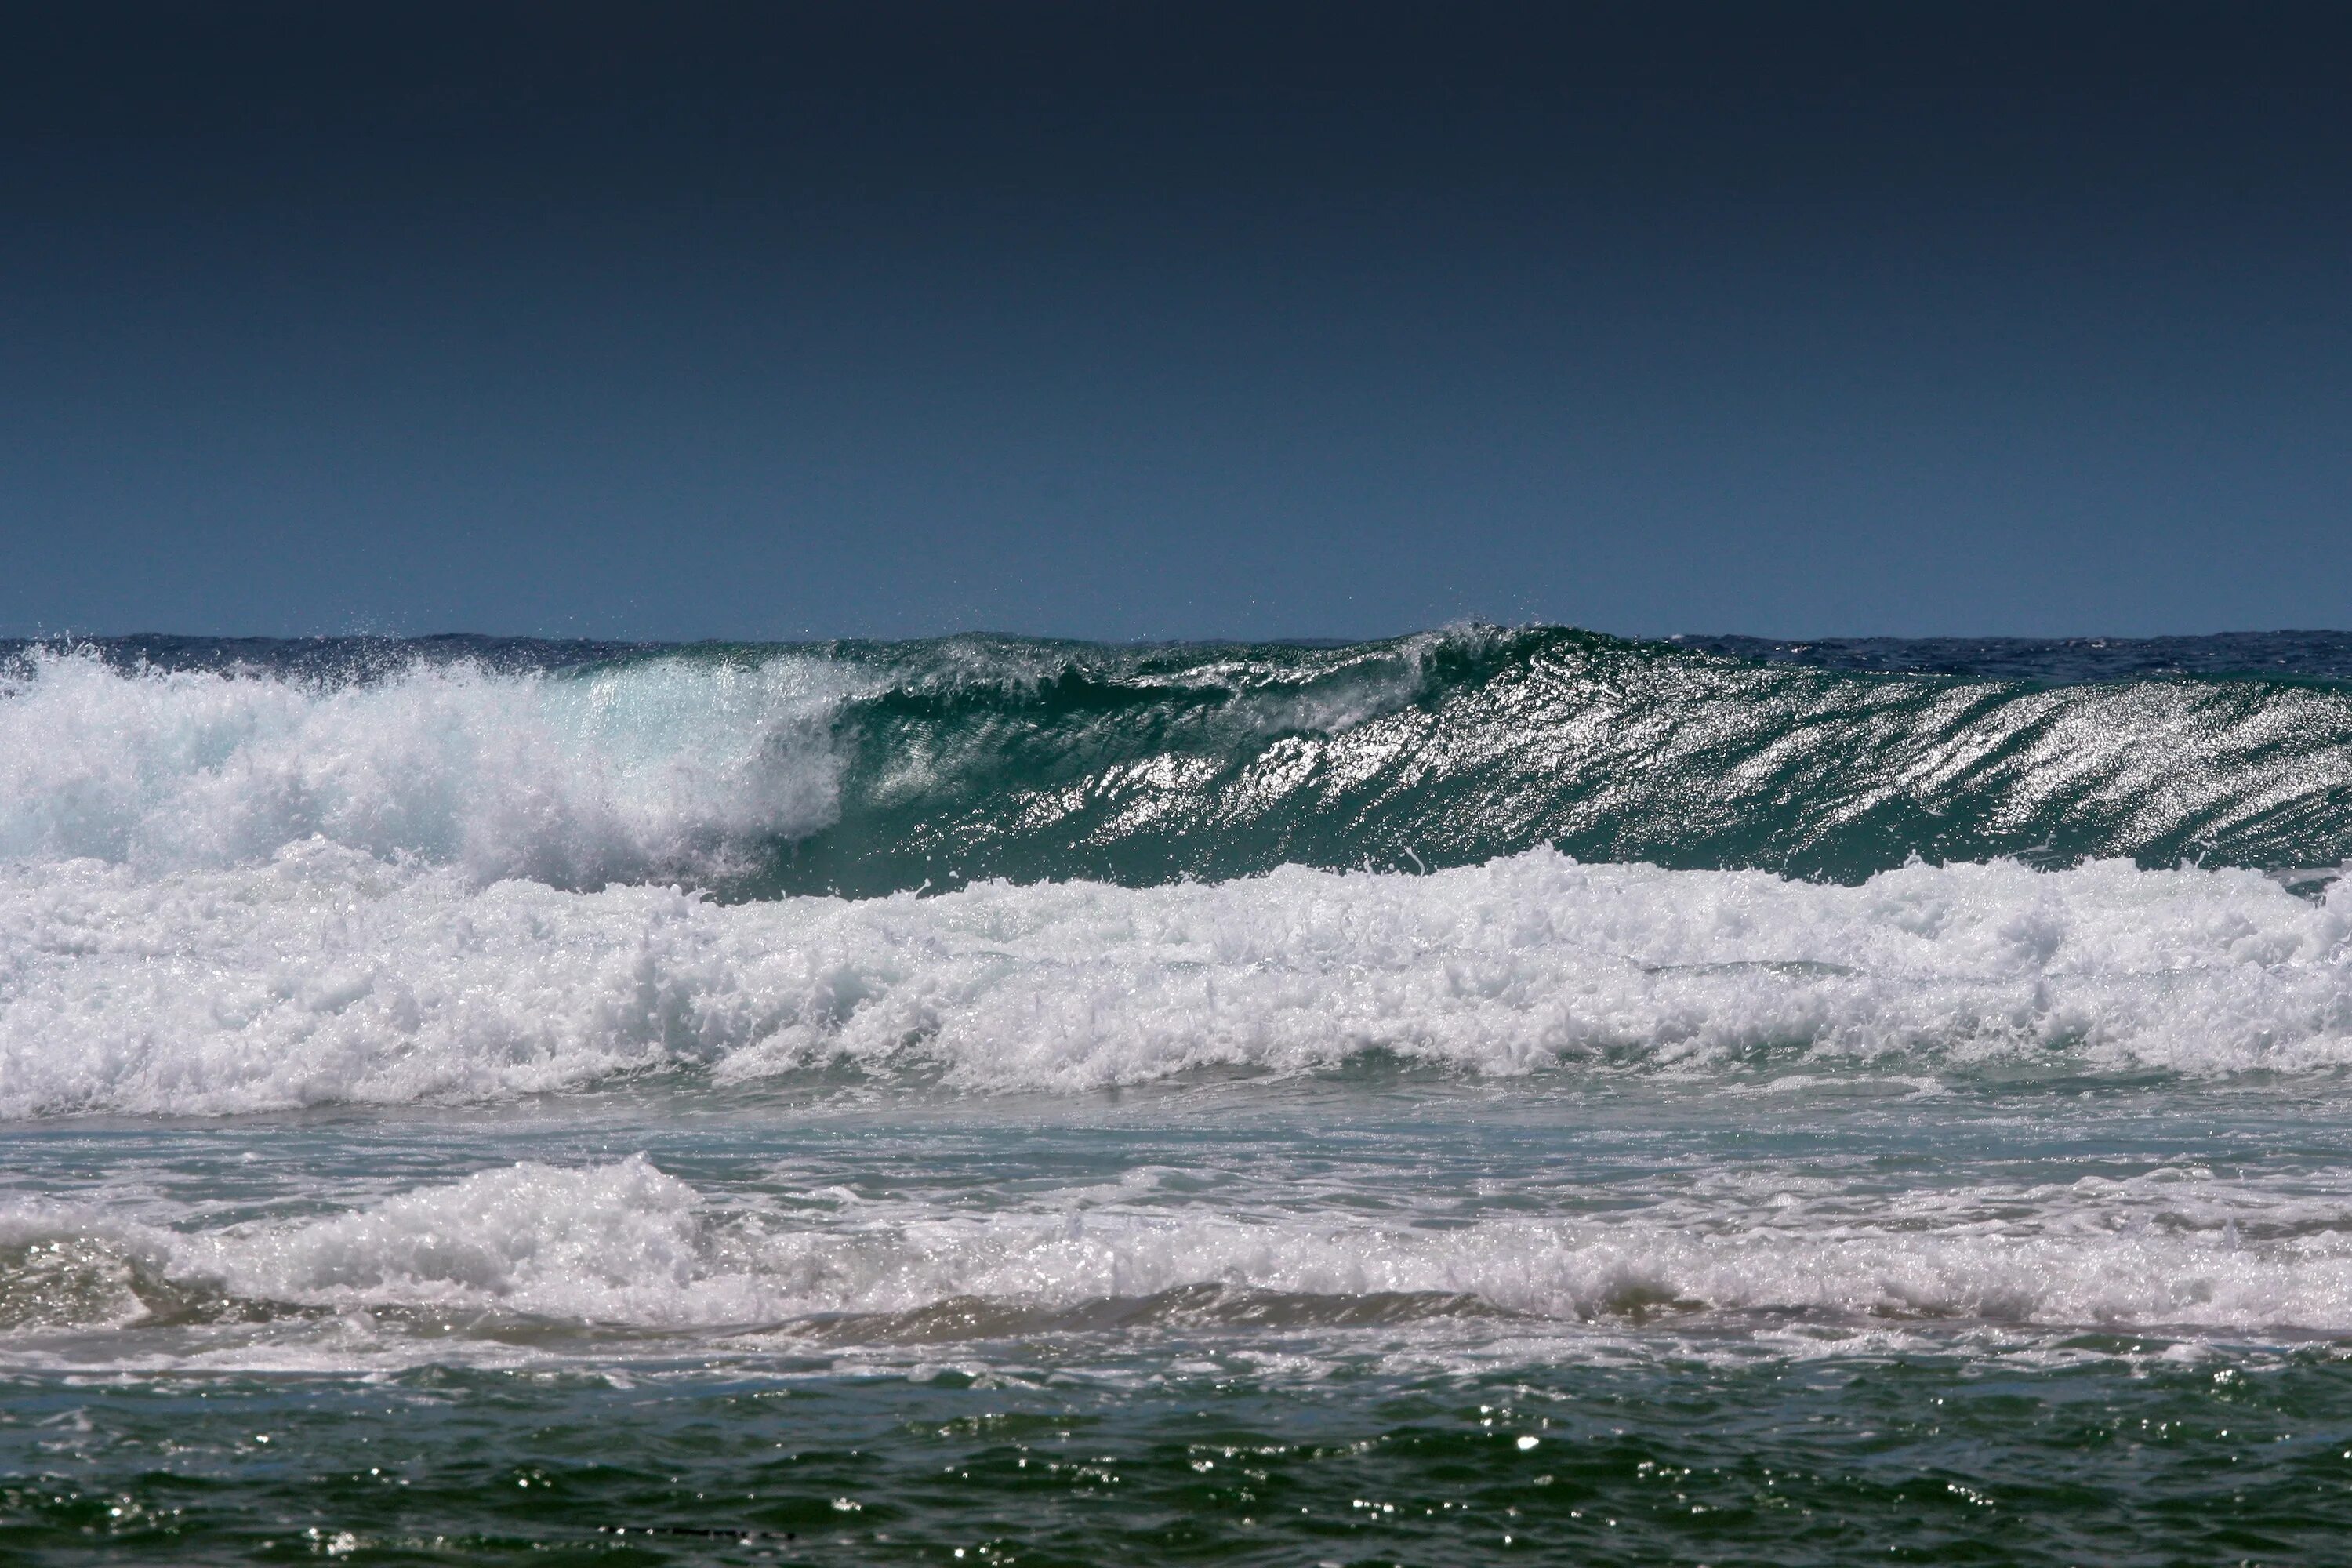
(985, 757)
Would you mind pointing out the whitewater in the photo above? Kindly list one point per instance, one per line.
(1416, 1077)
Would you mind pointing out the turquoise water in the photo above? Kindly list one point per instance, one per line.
(411, 1161)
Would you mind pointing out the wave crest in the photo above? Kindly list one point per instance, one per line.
(873, 768)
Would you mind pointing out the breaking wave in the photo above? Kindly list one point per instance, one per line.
(327, 975)
(626, 1244)
(292, 874)
(873, 768)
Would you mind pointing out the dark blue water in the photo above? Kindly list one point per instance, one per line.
(2061, 661)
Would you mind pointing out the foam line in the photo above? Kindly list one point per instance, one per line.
(326, 976)
(625, 1243)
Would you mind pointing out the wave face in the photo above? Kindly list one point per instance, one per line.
(873, 768)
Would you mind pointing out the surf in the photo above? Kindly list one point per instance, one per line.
(864, 769)
(326, 976)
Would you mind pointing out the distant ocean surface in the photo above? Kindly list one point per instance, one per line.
(1489, 1094)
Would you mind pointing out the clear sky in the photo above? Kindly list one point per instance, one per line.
(1120, 319)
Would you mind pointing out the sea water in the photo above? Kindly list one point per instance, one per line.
(1487, 1094)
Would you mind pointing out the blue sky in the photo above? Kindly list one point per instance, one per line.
(1150, 321)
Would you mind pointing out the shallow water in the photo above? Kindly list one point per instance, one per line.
(1363, 1316)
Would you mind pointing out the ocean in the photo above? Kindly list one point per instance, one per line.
(1494, 1094)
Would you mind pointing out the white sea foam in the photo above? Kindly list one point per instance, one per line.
(328, 975)
(626, 1244)
(663, 766)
